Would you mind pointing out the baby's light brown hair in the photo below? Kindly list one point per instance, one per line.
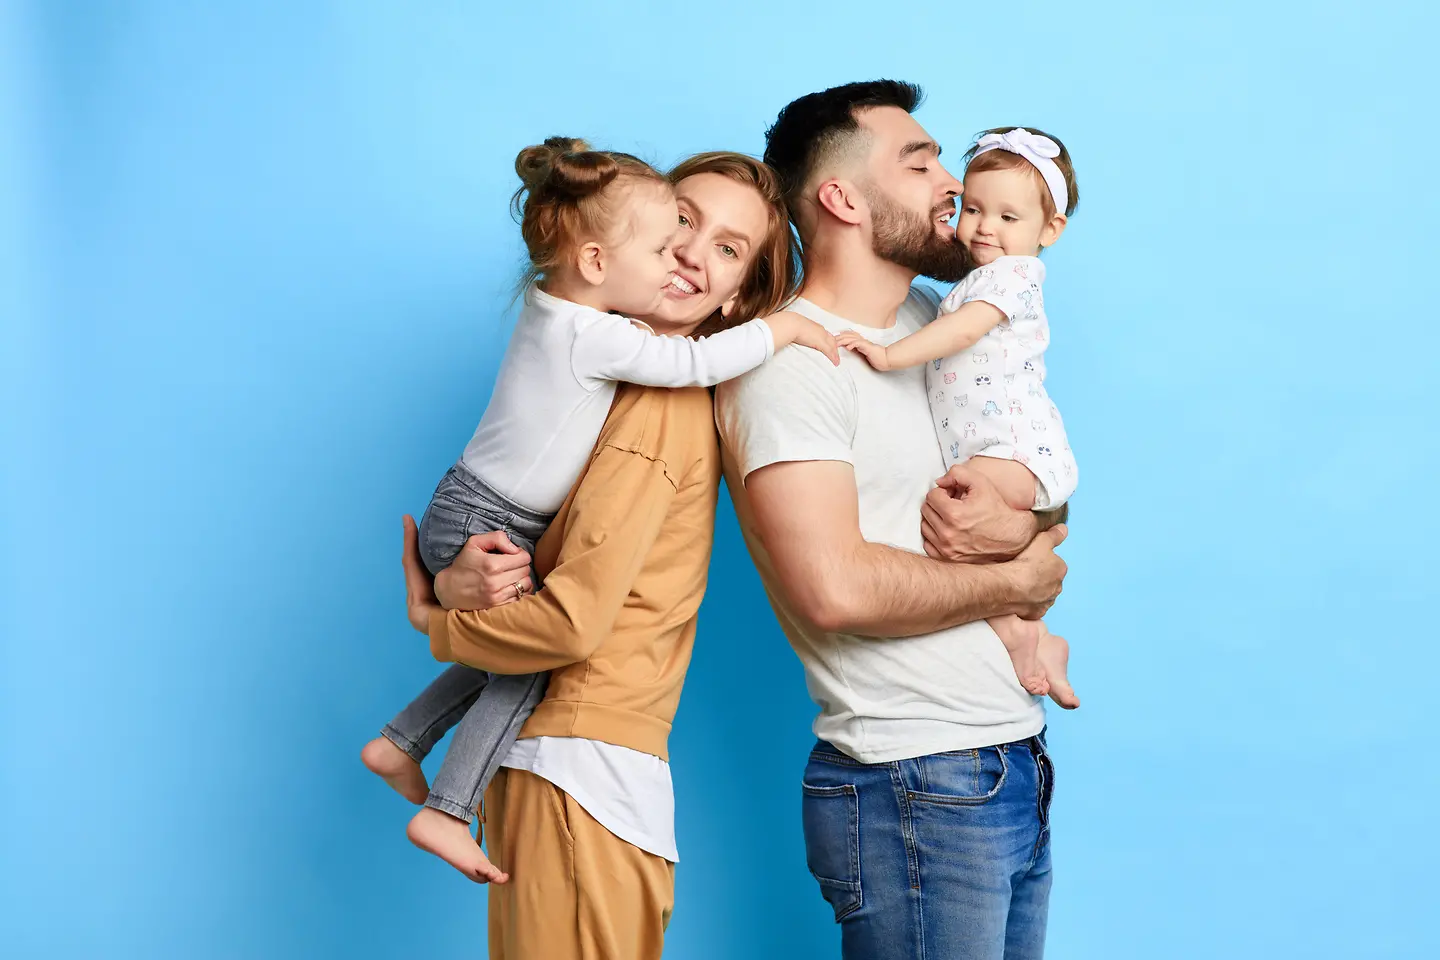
(1005, 160)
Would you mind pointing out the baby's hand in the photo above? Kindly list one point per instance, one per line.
(874, 354)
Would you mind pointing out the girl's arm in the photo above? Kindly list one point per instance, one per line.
(947, 334)
(613, 348)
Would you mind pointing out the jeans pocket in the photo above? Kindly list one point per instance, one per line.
(962, 777)
(831, 818)
(443, 532)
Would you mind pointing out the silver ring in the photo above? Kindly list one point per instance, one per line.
(518, 591)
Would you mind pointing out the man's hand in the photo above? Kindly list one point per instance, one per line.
(419, 591)
(489, 571)
(966, 519)
(1039, 573)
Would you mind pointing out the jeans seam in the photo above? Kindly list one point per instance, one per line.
(502, 741)
(446, 805)
(412, 749)
(912, 850)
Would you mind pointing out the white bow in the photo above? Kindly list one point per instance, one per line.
(1040, 151)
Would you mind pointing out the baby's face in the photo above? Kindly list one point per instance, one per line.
(1000, 215)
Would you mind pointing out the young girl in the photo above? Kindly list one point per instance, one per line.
(987, 389)
(598, 228)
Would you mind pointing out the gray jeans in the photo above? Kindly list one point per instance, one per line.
(490, 708)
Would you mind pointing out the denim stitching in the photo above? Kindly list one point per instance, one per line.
(939, 798)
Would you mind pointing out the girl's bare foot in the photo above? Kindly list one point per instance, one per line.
(449, 839)
(397, 768)
(1054, 656)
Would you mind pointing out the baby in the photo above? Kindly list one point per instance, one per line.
(987, 389)
(598, 228)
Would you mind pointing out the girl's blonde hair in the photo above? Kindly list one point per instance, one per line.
(1005, 160)
(570, 193)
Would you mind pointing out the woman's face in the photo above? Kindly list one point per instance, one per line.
(722, 225)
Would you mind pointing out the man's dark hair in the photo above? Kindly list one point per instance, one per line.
(817, 125)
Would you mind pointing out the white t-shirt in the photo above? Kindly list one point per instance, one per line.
(628, 792)
(879, 699)
(990, 400)
(557, 381)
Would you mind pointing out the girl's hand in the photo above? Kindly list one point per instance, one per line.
(874, 354)
(791, 328)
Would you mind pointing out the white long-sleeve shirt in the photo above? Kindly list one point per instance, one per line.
(558, 378)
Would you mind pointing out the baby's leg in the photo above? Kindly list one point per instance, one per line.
(1022, 641)
(484, 736)
(406, 740)
(1014, 480)
(1054, 655)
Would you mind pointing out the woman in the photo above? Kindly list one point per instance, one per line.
(586, 830)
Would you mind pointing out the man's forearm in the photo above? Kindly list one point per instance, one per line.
(882, 591)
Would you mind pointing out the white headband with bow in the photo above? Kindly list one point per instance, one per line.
(1040, 151)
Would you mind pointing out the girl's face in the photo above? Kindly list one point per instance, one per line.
(1001, 215)
(721, 227)
(639, 265)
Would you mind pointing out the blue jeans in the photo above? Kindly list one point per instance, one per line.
(945, 857)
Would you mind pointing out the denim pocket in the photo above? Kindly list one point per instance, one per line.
(443, 531)
(831, 817)
(967, 777)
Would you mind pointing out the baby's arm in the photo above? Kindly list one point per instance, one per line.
(947, 334)
(613, 348)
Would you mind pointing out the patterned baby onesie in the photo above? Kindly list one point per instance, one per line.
(990, 400)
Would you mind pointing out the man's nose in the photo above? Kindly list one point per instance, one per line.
(950, 186)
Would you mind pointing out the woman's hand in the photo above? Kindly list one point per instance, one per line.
(488, 571)
(420, 600)
(874, 354)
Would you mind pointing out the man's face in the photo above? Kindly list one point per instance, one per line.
(911, 197)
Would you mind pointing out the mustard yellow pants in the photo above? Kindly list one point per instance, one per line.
(576, 891)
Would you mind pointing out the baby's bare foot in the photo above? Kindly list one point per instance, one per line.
(1054, 656)
(397, 768)
(449, 839)
(1022, 639)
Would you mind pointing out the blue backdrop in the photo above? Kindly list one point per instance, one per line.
(254, 267)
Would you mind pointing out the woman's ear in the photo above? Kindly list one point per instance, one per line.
(590, 260)
(728, 305)
(843, 200)
(1052, 230)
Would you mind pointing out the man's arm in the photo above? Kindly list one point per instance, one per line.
(807, 515)
(612, 524)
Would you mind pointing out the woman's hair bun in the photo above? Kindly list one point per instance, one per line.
(565, 165)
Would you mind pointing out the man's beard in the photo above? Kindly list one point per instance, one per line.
(907, 239)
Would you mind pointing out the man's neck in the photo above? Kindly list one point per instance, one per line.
(856, 285)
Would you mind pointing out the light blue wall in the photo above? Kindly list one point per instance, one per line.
(254, 279)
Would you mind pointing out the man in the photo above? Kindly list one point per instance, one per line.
(926, 801)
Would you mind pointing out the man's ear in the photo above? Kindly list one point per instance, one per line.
(1052, 230)
(843, 200)
(591, 261)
